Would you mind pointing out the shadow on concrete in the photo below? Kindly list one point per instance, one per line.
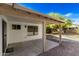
(68, 48)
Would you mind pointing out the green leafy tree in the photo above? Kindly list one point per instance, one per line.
(57, 16)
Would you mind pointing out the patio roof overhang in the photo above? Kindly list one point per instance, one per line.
(24, 13)
(19, 11)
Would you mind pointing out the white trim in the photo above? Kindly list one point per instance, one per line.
(0, 36)
(44, 36)
(5, 19)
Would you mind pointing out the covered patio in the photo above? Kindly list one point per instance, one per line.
(31, 48)
(17, 13)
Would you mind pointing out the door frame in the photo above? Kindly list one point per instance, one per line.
(3, 18)
(4, 36)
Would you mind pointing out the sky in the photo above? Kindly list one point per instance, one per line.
(70, 10)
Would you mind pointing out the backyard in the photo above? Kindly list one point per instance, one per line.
(74, 37)
(69, 47)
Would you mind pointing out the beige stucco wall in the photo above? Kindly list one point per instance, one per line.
(15, 36)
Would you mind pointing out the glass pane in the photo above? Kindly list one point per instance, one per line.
(30, 29)
(13, 26)
(36, 28)
(18, 26)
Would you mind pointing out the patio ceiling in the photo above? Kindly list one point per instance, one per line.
(25, 13)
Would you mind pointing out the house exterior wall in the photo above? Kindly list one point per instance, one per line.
(21, 35)
(0, 36)
(15, 36)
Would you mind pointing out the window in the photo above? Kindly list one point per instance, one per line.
(32, 30)
(36, 30)
(16, 27)
(13, 26)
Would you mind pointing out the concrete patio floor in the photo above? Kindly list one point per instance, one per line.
(31, 48)
(68, 48)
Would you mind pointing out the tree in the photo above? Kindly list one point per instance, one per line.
(57, 16)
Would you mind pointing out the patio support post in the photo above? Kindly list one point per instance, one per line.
(60, 34)
(44, 36)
